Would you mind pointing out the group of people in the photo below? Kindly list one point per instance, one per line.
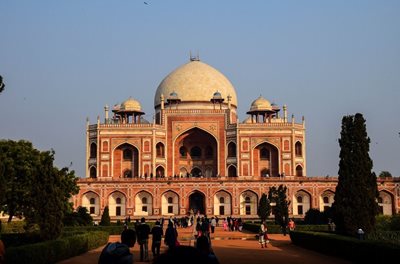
(119, 252)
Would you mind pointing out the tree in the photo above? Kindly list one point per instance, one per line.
(79, 218)
(105, 217)
(2, 85)
(264, 207)
(19, 162)
(355, 203)
(281, 212)
(34, 188)
(315, 217)
(385, 174)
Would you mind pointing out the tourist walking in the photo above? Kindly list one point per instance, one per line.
(157, 234)
(143, 231)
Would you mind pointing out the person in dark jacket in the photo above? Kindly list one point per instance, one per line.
(171, 236)
(143, 231)
(157, 234)
(118, 253)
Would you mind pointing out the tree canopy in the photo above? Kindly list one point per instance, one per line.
(355, 204)
(281, 209)
(264, 207)
(33, 187)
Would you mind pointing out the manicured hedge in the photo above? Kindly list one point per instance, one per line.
(56, 250)
(366, 251)
(276, 229)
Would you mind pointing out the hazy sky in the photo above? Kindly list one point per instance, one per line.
(62, 61)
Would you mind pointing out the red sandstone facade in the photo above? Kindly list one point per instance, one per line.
(196, 155)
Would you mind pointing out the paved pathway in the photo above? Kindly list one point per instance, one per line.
(234, 247)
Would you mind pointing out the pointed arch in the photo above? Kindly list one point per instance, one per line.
(299, 171)
(143, 204)
(195, 147)
(160, 150)
(298, 149)
(93, 150)
(266, 159)
(248, 203)
(160, 171)
(385, 203)
(222, 203)
(301, 202)
(93, 172)
(169, 203)
(91, 201)
(232, 171)
(125, 156)
(117, 204)
(326, 200)
(231, 149)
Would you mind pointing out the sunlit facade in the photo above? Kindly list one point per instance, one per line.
(195, 155)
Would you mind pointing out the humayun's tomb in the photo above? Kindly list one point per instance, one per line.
(197, 155)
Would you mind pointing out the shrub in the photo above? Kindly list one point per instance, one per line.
(105, 217)
(56, 250)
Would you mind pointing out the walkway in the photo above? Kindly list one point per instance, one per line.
(234, 247)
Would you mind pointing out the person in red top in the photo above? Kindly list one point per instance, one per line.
(291, 225)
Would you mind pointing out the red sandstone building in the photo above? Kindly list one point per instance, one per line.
(196, 155)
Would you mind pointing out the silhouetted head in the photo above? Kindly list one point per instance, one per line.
(143, 220)
(128, 237)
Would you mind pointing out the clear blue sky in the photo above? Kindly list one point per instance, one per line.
(62, 61)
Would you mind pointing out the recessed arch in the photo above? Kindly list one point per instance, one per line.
(160, 150)
(143, 204)
(222, 203)
(248, 203)
(197, 202)
(232, 171)
(160, 171)
(299, 171)
(266, 159)
(298, 149)
(93, 150)
(326, 200)
(301, 202)
(195, 148)
(93, 172)
(91, 201)
(168, 208)
(116, 203)
(231, 149)
(125, 156)
(385, 203)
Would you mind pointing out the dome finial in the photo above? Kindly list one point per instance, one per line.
(194, 58)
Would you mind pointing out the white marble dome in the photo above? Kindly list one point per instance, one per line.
(196, 81)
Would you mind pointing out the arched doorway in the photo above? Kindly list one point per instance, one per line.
(232, 171)
(267, 157)
(126, 161)
(197, 203)
(196, 172)
(197, 151)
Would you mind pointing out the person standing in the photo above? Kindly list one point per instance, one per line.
(291, 225)
(157, 234)
(119, 252)
(171, 236)
(213, 224)
(143, 231)
(262, 235)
